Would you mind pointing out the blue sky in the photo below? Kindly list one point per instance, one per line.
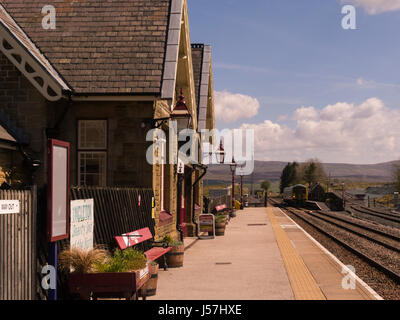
(289, 53)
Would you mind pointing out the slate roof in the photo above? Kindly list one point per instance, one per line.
(98, 46)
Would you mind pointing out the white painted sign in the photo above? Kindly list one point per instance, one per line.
(181, 166)
(82, 224)
(9, 206)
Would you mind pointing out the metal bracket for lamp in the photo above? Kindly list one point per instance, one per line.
(155, 123)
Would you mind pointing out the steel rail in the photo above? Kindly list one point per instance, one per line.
(379, 215)
(379, 242)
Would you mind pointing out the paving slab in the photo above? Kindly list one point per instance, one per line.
(245, 264)
(264, 255)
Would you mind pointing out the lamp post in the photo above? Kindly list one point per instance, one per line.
(182, 116)
(233, 166)
(241, 192)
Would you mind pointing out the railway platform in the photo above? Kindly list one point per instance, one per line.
(264, 255)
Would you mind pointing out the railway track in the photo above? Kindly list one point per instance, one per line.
(380, 250)
(390, 217)
(384, 239)
(385, 213)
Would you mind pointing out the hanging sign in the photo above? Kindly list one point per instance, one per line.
(181, 166)
(206, 225)
(82, 224)
(9, 206)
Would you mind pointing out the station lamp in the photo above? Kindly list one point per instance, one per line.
(181, 114)
(221, 153)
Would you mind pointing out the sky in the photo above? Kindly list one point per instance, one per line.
(308, 87)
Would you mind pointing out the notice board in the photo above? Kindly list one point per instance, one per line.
(82, 224)
(58, 190)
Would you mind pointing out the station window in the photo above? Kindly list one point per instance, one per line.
(92, 152)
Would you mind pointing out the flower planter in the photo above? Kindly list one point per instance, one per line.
(150, 287)
(220, 229)
(175, 256)
(108, 285)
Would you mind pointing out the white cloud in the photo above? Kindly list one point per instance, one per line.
(230, 107)
(342, 132)
(375, 6)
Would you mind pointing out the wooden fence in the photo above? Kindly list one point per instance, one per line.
(18, 247)
(117, 211)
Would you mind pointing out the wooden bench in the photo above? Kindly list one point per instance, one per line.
(158, 250)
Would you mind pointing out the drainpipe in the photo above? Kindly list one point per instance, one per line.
(179, 204)
(193, 202)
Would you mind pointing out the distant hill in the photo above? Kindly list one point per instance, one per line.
(271, 170)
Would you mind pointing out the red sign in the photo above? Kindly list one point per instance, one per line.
(58, 190)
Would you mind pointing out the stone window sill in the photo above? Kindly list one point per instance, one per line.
(165, 218)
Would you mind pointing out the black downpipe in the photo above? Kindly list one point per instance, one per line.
(178, 211)
(194, 195)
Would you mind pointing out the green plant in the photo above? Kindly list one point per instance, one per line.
(220, 219)
(171, 242)
(82, 261)
(123, 261)
(153, 264)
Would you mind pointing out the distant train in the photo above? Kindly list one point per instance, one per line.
(297, 194)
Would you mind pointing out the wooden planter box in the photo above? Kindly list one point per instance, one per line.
(108, 285)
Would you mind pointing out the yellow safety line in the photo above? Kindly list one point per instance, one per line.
(303, 284)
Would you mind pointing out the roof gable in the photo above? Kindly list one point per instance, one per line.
(202, 69)
(20, 50)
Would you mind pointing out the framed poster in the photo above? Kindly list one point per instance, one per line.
(58, 190)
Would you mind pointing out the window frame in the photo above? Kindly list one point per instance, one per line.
(91, 150)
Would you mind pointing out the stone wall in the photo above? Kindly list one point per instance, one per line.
(27, 108)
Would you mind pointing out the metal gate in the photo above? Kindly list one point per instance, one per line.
(18, 247)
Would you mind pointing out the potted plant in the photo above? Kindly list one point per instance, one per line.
(220, 224)
(95, 273)
(176, 255)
